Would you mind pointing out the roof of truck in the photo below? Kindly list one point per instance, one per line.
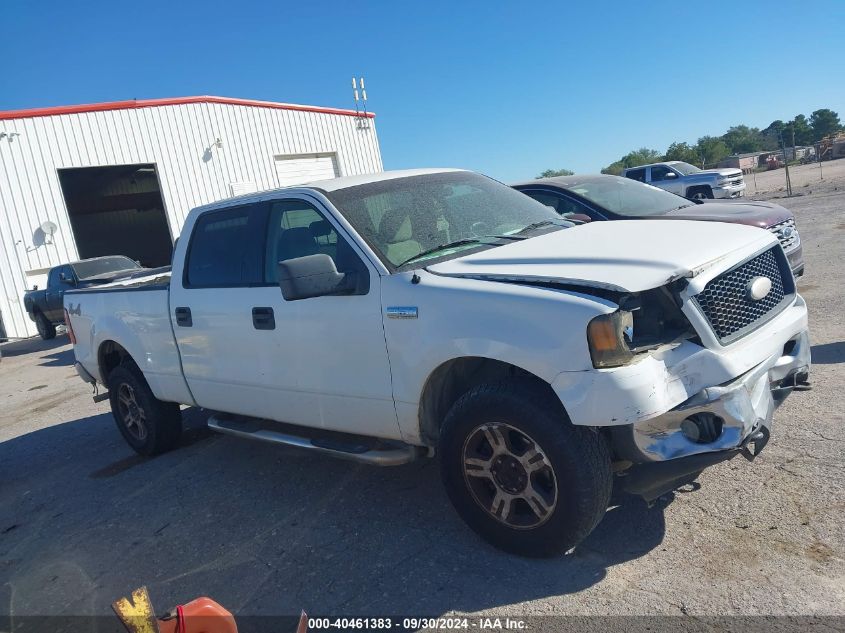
(364, 179)
(331, 184)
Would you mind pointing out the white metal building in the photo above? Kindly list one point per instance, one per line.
(120, 178)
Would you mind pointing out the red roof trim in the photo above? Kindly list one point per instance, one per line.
(151, 103)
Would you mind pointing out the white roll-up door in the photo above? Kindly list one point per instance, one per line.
(301, 168)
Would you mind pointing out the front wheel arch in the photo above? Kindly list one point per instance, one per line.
(455, 377)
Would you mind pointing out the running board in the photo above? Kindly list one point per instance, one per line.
(335, 444)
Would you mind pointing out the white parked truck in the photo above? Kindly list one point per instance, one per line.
(389, 317)
(689, 181)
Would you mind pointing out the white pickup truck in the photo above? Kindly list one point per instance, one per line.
(689, 181)
(382, 318)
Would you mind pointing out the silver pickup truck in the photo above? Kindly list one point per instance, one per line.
(689, 181)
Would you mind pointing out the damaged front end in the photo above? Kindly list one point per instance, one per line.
(690, 374)
(714, 425)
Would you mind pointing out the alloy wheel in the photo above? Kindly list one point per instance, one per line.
(131, 413)
(509, 475)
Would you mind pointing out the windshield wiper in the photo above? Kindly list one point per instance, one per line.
(540, 224)
(443, 247)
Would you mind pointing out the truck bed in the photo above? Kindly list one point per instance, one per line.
(155, 279)
(135, 312)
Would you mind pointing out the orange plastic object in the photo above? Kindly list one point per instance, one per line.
(202, 615)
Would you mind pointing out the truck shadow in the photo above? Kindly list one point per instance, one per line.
(34, 344)
(263, 530)
(59, 358)
(829, 353)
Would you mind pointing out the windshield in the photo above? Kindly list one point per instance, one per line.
(685, 168)
(103, 266)
(629, 197)
(405, 220)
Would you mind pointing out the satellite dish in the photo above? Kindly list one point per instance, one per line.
(49, 229)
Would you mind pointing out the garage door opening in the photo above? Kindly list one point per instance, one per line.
(118, 211)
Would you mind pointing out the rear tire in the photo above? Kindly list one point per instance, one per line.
(519, 473)
(46, 330)
(700, 193)
(149, 425)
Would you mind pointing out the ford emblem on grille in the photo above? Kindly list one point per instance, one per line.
(759, 288)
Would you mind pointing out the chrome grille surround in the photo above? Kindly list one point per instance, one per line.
(787, 234)
(725, 301)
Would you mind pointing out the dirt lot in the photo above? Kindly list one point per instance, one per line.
(266, 530)
(811, 179)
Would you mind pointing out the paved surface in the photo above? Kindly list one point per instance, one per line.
(266, 530)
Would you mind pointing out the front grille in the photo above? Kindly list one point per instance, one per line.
(725, 300)
(787, 234)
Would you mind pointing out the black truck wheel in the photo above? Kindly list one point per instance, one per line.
(519, 473)
(46, 330)
(150, 426)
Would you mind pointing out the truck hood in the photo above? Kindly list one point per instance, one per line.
(623, 256)
(760, 214)
(726, 171)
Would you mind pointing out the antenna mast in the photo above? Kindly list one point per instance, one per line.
(360, 102)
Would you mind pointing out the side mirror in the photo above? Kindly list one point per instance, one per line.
(312, 276)
(70, 281)
(670, 175)
(579, 217)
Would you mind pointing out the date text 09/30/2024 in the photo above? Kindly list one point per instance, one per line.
(414, 624)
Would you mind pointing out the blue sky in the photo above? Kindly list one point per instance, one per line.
(506, 88)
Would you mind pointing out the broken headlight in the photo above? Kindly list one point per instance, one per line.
(610, 336)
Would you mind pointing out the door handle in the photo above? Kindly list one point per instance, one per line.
(183, 317)
(263, 319)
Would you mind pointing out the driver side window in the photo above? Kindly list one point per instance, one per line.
(297, 229)
(661, 173)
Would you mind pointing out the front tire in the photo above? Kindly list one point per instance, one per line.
(700, 193)
(149, 425)
(519, 473)
(46, 330)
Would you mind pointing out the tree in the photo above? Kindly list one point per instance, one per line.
(771, 134)
(614, 169)
(742, 139)
(800, 127)
(634, 158)
(551, 173)
(711, 149)
(824, 122)
(684, 152)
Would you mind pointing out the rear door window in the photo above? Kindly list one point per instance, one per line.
(636, 174)
(226, 248)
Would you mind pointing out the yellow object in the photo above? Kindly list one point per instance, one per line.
(138, 615)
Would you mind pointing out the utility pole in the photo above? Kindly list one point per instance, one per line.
(794, 157)
(785, 165)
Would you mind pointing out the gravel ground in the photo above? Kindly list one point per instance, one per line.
(267, 530)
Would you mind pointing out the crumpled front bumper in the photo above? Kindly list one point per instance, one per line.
(663, 454)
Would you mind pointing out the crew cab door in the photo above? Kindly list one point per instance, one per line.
(666, 178)
(317, 362)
